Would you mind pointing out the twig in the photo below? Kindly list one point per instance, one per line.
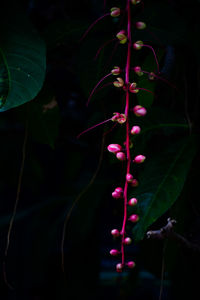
(16, 200)
(167, 232)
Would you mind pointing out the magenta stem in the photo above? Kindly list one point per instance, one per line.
(105, 44)
(96, 86)
(143, 89)
(154, 53)
(161, 78)
(96, 125)
(127, 71)
(93, 24)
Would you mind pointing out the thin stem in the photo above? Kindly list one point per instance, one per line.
(96, 86)
(21, 172)
(96, 125)
(161, 78)
(154, 53)
(143, 89)
(127, 71)
(92, 25)
(105, 44)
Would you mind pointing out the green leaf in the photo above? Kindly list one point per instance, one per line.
(22, 59)
(161, 182)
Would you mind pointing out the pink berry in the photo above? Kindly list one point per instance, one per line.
(132, 202)
(127, 241)
(114, 252)
(139, 111)
(114, 148)
(140, 25)
(129, 177)
(135, 130)
(119, 190)
(134, 218)
(115, 232)
(121, 156)
(116, 195)
(134, 183)
(138, 45)
(116, 70)
(139, 159)
(115, 11)
(130, 264)
(119, 268)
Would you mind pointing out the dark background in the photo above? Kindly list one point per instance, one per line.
(61, 170)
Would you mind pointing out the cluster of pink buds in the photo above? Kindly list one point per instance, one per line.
(123, 153)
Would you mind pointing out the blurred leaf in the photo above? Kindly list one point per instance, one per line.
(161, 182)
(22, 58)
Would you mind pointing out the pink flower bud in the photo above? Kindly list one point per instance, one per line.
(151, 76)
(127, 241)
(115, 11)
(138, 45)
(134, 183)
(138, 70)
(139, 159)
(121, 156)
(115, 232)
(116, 70)
(114, 148)
(121, 35)
(116, 195)
(132, 202)
(139, 111)
(135, 1)
(121, 119)
(130, 264)
(140, 25)
(134, 218)
(133, 89)
(129, 177)
(119, 268)
(114, 252)
(135, 130)
(119, 190)
(119, 82)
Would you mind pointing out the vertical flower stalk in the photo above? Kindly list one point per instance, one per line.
(124, 153)
(128, 155)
